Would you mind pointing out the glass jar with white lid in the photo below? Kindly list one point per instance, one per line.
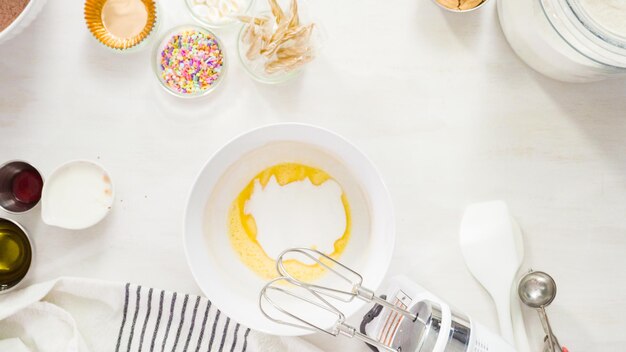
(568, 40)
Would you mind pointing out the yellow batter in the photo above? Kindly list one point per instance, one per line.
(242, 228)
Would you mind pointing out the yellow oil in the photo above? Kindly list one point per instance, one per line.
(243, 231)
(15, 254)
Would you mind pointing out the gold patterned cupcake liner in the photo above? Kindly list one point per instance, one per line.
(93, 18)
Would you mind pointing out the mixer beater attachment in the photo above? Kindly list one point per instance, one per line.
(282, 287)
(276, 295)
(340, 271)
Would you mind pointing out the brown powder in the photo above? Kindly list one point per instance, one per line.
(461, 5)
(9, 10)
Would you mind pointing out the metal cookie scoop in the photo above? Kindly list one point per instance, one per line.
(537, 290)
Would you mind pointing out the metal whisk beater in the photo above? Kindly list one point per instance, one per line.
(289, 287)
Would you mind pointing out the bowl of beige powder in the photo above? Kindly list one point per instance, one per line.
(15, 15)
(461, 5)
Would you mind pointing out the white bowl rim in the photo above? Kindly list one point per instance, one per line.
(216, 299)
(18, 19)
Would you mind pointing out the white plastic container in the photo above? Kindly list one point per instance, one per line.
(568, 40)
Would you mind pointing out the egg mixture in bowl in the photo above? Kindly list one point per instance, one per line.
(289, 205)
(279, 187)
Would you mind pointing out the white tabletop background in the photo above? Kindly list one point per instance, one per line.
(439, 102)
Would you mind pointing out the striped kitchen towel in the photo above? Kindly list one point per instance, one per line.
(71, 314)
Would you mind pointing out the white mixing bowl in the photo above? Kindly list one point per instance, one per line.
(223, 278)
(22, 21)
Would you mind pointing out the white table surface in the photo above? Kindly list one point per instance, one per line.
(438, 101)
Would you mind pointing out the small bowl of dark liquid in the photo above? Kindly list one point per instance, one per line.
(20, 186)
(16, 255)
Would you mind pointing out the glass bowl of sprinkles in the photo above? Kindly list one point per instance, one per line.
(189, 61)
(218, 13)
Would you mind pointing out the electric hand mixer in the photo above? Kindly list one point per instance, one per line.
(406, 318)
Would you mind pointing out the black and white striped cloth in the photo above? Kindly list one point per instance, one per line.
(81, 315)
(160, 321)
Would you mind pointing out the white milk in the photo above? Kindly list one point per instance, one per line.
(299, 214)
(76, 196)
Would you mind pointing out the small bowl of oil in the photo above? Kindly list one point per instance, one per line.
(16, 255)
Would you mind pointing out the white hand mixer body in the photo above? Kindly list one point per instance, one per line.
(438, 327)
(410, 319)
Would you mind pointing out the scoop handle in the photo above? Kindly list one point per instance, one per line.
(519, 328)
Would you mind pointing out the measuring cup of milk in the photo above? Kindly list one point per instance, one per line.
(77, 195)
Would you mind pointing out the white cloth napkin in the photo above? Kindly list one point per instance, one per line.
(71, 314)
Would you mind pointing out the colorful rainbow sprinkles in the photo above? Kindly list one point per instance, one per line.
(191, 62)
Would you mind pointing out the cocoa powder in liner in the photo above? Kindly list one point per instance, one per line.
(9, 10)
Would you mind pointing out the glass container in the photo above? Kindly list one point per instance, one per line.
(568, 40)
(256, 68)
(204, 11)
(158, 70)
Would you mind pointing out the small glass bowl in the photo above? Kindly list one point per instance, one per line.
(460, 11)
(156, 65)
(256, 68)
(227, 22)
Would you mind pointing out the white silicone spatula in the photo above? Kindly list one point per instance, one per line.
(492, 246)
